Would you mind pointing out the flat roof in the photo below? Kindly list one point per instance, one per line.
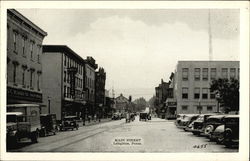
(62, 49)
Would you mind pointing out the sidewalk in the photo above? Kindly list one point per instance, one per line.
(92, 122)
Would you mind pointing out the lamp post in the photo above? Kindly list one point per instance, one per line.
(84, 113)
(199, 107)
(217, 96)
(49, 105)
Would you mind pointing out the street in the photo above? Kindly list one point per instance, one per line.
(156, 135)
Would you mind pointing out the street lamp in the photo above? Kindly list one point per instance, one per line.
(217, 96)
(84, 112)
(49, 105)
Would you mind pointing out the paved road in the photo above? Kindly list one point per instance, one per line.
(157, 135)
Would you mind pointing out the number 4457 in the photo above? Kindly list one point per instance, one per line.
(200, 146)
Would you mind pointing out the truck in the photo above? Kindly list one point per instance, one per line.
(23, 121)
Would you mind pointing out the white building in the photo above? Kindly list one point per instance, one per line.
(192, 81)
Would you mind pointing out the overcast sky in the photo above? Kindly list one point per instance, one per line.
(139, 47)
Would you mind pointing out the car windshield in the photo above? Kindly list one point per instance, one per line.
(69, 119)
(200, 118)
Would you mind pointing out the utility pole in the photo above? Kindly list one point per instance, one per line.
(210, 37)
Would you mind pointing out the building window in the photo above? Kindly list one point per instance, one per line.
(204, 93)
(15, 41)
(68, 92)
(197, 72)
(23, 45)
(224, 73)
(238, 73)
(38, 81)
(209, 108)
(14, 73)
(64, 76)
(8, 37)
(184, 74)
(31, 50)
(23, 77)
(65, 91)
(185, 93)
(205, 74)
(196, 93)
(184, 108)
(232, 73)
(212, 95)
(213, 73)
(199, 108)
(39, 48)
(65, 58)
(31, 78)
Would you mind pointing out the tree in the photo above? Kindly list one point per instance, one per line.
(227, 92)
(140, 104)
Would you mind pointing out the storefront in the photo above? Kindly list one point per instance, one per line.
(171, 108)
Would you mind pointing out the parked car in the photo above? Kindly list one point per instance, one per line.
(23, 121)
(212, 123)
(143, 116)
(184, 121)
(189, 120)
(179, 117)
(116, 116)
(218, 134)
(69, 122)
(231, 133)
(200, 122)
(48, 123)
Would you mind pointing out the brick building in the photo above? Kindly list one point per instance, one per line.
(24, 67)
(63, 82)
(100, 79)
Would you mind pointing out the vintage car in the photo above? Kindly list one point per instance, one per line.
(116, 116)
(23, 121)
(143, 116)
(189, 119)
(212, 123)
(49, 124)
(179, 117)
(185, 120)
(231, 133)
(69, 122)
(200, 122)
(218, 134)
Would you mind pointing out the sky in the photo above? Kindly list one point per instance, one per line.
(139, 47)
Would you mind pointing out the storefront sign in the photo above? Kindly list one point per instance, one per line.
(172, 103)
(72, 72)
(21, 94)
